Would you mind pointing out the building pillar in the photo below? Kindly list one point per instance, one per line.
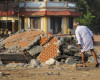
(42, 23)
(26, 23)
(45, 24)
(65, 32)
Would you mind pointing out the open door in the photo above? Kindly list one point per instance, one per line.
(55, 24)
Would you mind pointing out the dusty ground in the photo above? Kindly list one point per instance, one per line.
(62, 72)
(54, 73)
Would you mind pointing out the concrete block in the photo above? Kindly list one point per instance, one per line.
(34, 63)
(91, 59)
(1, 74)
(51, 61)
(70, 61)
(35, 50)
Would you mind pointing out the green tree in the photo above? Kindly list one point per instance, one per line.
(90, 10)
(87, 17)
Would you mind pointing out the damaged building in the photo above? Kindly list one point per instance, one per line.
(50, 16)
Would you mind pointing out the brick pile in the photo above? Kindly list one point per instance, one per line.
(36, 44)
(51, 50)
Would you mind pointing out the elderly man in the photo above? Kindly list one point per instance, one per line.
(85, 41)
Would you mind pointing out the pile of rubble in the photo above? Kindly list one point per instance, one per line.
(33, 48)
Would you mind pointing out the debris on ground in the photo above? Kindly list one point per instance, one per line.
(1, 74)
(33, 48)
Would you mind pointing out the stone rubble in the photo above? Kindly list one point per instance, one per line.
(39, 49)
(1, 74)
(70, 61)
(51, 61)
(34, 63)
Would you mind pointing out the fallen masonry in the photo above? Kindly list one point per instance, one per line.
(33, 48)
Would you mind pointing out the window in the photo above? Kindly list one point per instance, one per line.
(40, 0)
(71, 22)
(51, 0)
(36, 23)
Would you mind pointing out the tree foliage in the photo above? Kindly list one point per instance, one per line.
(90, 10)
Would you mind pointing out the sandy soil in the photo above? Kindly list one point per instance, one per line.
(55, 73)
(62, 72)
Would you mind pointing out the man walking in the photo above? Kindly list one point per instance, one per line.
(85, 41)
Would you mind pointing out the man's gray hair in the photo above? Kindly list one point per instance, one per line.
(75, 23)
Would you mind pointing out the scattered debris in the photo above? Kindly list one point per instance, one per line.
(1, 74)
(51, 61)
(33, 48)
(70, 61)
(34, 63)
(14, 65)
(51, 73)
(91, 59)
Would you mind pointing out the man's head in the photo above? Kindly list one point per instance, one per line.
(75, 24)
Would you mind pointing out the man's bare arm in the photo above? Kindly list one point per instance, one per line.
(80, 47)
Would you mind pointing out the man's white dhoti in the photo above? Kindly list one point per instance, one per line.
(84, 37)
(87, 44)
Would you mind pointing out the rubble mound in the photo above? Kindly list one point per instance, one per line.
(33, 46)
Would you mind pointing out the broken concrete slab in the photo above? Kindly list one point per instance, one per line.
(33, 43)
(35, 50)
(70, 61)
(34, 63)
(23, 39)
(49, 51)
(8, 58)
(51, 61)
(91, 59)
(14, 65)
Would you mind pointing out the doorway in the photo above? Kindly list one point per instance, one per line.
(55, 24)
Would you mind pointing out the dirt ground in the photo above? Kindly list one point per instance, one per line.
(54, 73)
(62, 72)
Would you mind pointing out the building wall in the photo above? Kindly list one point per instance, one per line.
(11, 23)
(9, 18)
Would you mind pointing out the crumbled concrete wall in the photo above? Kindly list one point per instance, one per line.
(26, 45)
